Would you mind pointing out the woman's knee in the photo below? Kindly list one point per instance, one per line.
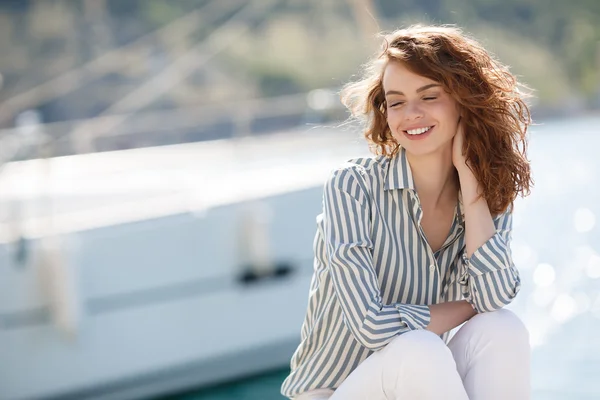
(417, 346)
(417, 357)
(412, 361)
(501, 325)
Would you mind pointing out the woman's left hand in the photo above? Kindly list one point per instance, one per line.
(458, 158)
(469, 185)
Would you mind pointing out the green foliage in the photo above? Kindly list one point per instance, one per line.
(294, 46)
(553, 46)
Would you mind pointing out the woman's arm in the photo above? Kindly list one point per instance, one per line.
(488, 276)
(348, 255)
(479, 225)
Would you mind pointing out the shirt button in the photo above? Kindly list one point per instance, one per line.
(432, 267)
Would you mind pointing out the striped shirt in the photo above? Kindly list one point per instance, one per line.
(375, 274)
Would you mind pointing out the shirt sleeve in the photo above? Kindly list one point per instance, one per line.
(347, 236)
(489, 279)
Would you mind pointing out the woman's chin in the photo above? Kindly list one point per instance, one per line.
(426, 149)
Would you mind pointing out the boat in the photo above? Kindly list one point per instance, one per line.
(137, 273)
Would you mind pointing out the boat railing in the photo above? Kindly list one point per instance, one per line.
(226, 120)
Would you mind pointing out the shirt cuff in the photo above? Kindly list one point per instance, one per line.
(414, 316)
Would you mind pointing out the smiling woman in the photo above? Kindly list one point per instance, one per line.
(449, 67)
(406, 111)
(415, 241)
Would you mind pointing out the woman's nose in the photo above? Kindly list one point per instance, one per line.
(412, 111)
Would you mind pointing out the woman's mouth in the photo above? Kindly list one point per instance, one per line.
(419, 133)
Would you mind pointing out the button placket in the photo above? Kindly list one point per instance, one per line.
(433, 270)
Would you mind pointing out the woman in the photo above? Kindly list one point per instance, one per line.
(414, 241)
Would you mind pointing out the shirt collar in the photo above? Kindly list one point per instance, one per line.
(398, 173)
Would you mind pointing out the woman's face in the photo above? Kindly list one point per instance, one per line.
(422, 116)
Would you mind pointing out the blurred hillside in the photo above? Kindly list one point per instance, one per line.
(75, 59)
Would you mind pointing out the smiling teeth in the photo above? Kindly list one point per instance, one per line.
(418, 131)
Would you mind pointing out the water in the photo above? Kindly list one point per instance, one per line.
(265, 387)
(556, 245)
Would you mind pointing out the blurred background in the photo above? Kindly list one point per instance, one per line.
(162, 165)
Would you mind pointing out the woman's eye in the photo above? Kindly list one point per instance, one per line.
(396, 104)
(429, 98)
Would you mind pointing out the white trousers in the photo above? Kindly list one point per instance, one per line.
(487, 359)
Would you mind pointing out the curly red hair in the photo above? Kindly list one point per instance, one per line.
(494, 113)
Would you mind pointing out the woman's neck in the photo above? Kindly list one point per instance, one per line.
(435, 178)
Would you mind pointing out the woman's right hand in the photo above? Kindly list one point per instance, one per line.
(447, 316)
